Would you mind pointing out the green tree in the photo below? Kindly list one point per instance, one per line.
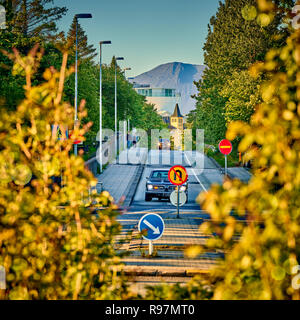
(242, 94)
(85, 51)
(33, 17)
(131, 105)
(88, 89)
(150, 119)
(235, 41)
(11, 87)
(28, 24)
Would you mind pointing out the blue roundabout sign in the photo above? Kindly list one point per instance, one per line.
(153, 224)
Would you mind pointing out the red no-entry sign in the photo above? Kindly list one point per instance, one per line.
(76, 141)
(225, 147)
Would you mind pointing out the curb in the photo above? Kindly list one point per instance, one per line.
(216, 164)
(221, 168)
(133, 186)
(158, 273)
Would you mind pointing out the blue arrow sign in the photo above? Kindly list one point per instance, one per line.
(153, 224)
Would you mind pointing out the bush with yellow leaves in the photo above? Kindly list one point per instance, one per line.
(51, 245)
(263, 251)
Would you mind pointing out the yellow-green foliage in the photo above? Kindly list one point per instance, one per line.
(51, 246)
(260, 253)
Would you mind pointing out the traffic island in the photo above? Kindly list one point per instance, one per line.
(170, 258)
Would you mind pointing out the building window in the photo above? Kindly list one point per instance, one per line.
(156, 92)
(169, 93)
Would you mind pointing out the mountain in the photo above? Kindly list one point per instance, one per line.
(175, 75)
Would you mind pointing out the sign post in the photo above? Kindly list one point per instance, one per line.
(225, 148)
(61, 133)
(178, 176)
(178, 199)
(150, 248)
(154, 225)
(177, 202)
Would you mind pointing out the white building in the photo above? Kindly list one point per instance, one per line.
(163, 98)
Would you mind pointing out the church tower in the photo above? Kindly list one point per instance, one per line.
(177, 118)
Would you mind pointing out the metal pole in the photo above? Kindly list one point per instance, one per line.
(100, 111)
(177, 202)
(76, 85)
(150, 248)
(116, 125)
(225, 164)
(125, 134)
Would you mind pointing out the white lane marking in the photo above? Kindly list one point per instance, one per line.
(201, 184)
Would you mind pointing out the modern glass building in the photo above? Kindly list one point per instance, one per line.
(157, 92)
(163, 98)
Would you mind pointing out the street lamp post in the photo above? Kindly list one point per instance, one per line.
(126, 123)
(78, 16)
(116, 112)
(124, 70)
(100, 107)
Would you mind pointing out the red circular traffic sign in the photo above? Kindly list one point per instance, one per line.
(225, 147)
(177, 175)
(75, 141)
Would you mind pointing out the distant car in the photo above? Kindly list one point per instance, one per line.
(164, 144)
(159, 186)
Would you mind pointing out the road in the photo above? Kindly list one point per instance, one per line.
(199, 179)
(129, 181)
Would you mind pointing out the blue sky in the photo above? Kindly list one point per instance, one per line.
(145, 33)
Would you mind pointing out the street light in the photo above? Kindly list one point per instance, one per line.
(100, 111)
(124, 71)
(128, 121)
(78, 16)
(116, 114)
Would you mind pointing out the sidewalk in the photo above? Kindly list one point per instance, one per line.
(170, 258)
(117, 180)
(235, 172)
(240, 173)
(120, 179)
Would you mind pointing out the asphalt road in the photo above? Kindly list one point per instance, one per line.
(200, 178)
(178, 232)
(117, 180)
